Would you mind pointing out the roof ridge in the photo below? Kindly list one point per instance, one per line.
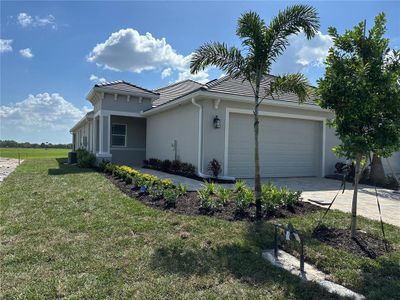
(176, 83)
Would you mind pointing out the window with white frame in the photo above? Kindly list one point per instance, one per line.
(118, 135)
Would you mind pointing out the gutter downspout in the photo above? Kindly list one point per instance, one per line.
(200, 148)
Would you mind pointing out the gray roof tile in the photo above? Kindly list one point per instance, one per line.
(176, 90)
(238, 86)
(125, 87)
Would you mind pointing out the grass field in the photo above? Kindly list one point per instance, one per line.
(68, 232)
(33, 153)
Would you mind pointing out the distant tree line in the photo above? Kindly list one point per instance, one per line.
(14, 144)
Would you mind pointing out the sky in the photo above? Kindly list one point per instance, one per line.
(52, 53)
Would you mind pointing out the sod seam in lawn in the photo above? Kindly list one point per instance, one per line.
(69, 232)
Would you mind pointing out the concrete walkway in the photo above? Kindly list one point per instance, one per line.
(322, 190)
(7, 165)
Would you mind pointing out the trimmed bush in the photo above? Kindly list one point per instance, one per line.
(85, 158)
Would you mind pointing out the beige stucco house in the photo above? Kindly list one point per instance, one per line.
(196, 122)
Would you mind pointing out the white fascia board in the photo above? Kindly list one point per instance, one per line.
(230, 97)
(126, 93)
(80, 123)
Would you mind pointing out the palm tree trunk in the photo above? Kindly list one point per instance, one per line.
(257, 177)
(355, 194)
(377, 174)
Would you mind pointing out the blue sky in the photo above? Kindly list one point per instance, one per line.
(50, 58)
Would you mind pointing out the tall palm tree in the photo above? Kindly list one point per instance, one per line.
(262, 45)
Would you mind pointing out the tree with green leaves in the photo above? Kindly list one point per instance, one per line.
(362, 86)
(261, 46)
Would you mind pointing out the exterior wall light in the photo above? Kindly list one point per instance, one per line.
(217, 122)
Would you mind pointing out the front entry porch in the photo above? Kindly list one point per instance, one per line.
(119, 138)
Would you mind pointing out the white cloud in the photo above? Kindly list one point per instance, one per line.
(25, 20)
(97, 79)
(27, 52)
(302, 53)
(5, 45)
(42, 115)
(128, 50)
(166, 73)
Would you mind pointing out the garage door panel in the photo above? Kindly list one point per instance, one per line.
(288, 147)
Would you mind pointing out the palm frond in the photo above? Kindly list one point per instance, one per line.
(230, 60)
(292, 20)
(251, 29)
(291, 83)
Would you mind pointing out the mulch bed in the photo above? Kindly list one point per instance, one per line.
(365, 244)
(190, 205)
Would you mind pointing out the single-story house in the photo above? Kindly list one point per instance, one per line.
(196, 123)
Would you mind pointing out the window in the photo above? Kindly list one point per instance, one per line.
(118, 135)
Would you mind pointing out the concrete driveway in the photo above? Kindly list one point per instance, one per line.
(321, 190)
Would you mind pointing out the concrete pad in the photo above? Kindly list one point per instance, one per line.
(292, 265)
(7, 166)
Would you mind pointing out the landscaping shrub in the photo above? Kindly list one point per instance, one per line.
(103, 165)
(214, 167)
(166, 183)
(128, 179)
(165, 165)
(170, 196)
(182, 189)
(85, 158)
(156, 192)
(188, 169)
(223, 195)
(272, 197)
(176, 166)
(243, 198)
(239, 185)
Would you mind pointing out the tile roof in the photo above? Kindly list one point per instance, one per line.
(125, 87)
(238, 86)
(176, 90)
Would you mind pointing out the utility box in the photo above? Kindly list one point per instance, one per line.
(72, 157)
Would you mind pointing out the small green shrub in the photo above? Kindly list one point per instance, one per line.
(156, 192)
(128, 179)
(103, 165)
(176, 166)
(85, 158)
(207, 201)
(210, 187)
(170, 196)
(223, 195)
(239, 186)
(272, 197)
(181, 189)
(243, 198)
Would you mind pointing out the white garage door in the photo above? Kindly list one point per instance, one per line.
(288, 147)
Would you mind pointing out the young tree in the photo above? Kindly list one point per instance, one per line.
(262, 45)
(361, 85)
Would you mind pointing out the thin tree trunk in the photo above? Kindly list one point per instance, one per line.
(257, 177)
(355, 194)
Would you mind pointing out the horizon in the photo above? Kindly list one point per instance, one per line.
(53, 53)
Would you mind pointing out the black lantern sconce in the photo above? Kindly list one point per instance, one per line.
(217, 122)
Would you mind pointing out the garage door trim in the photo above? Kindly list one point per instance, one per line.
(272, 114)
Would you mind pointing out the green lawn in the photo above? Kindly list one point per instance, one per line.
(68, 232)
(33, 153)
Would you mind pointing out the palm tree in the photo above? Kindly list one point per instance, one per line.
(262, 45)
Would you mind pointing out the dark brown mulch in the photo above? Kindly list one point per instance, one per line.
(365, 244)
(190, 205)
